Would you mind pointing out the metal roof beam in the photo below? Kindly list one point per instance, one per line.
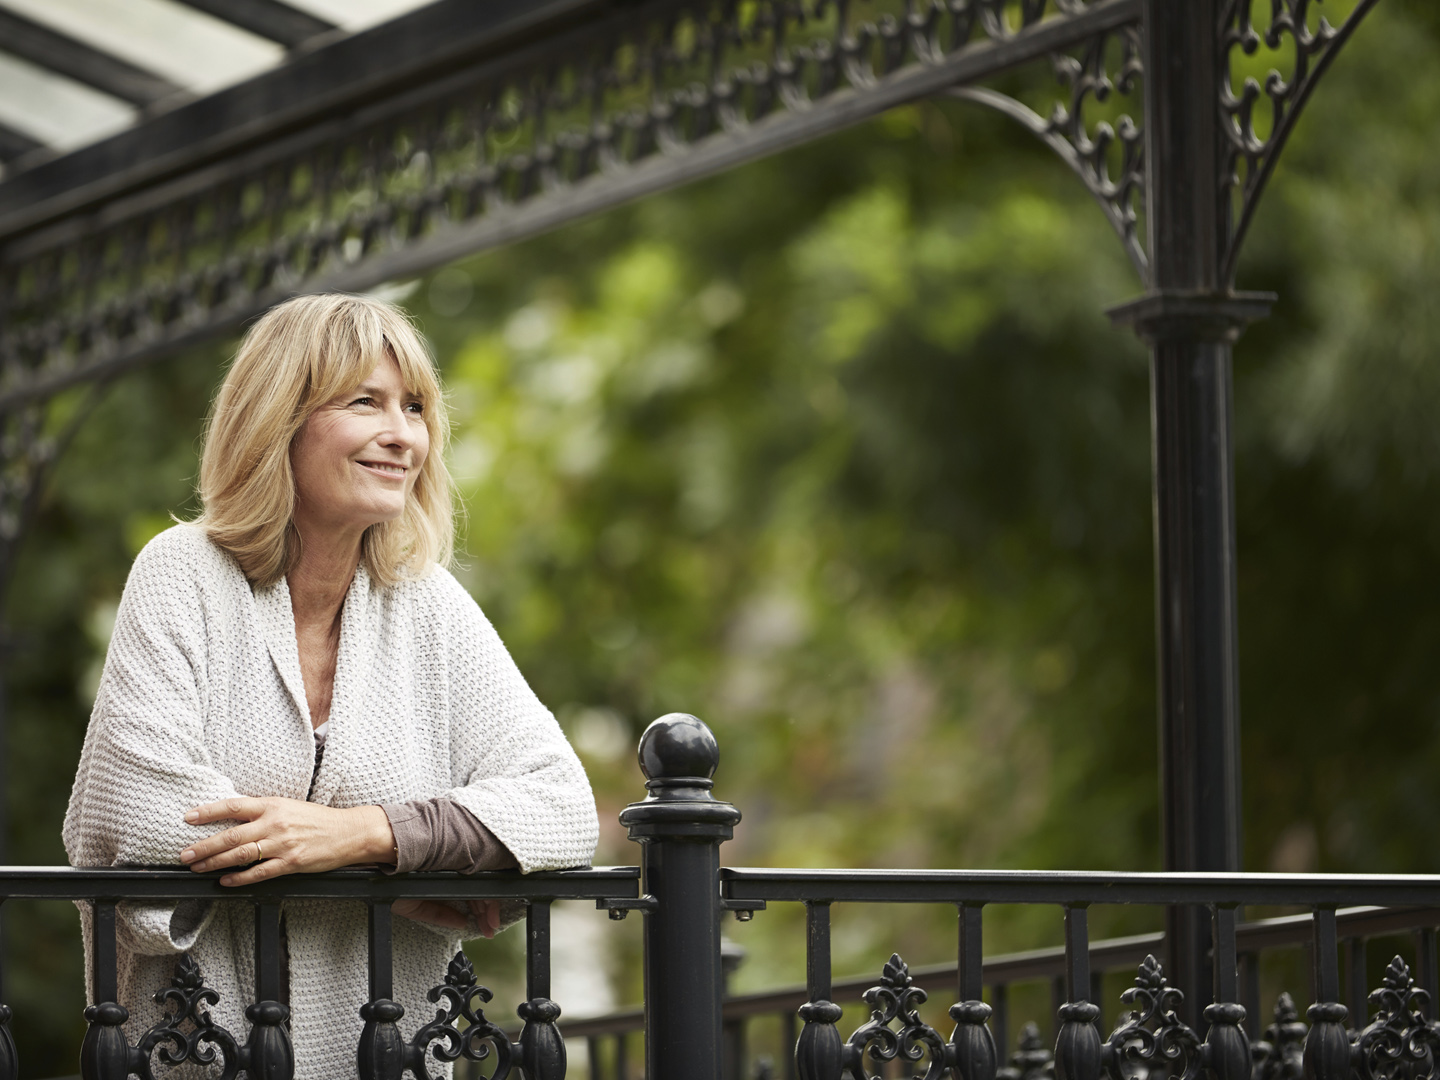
(75, 60)
(414, 49)
(270, 19)
(15, 144)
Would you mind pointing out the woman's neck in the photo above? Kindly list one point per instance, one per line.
(321, 577)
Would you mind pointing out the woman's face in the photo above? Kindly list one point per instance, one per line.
(358, 455)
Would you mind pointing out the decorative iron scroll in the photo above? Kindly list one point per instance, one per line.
(1150, 1036)
(187, 1033)
(657, 95)
(1280, 1055)
(384, 1054)
(1109, 158)
(895, 1033)
(1400, 1043)
(1150, 1040)
(1032, 1059)
(461, 992)
(894, 1001)
(1253, 148)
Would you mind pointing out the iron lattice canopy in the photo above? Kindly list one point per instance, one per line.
(458, 126)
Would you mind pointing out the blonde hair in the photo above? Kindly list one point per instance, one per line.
(298, 356)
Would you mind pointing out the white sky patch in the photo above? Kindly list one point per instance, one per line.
(188, 47)
(357, 14)
(55, 110)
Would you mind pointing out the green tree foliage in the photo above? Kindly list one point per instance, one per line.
(839, 452)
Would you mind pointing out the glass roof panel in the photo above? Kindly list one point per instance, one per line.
(195, 51)
(57, 111)
(186, 46)
(355, 15)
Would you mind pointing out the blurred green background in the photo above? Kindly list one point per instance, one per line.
(839, 452)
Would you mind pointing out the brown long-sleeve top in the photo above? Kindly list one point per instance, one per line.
(436, 834)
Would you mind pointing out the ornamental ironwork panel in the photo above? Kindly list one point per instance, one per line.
(647, 99)
(1106, 154)
(1299, 31)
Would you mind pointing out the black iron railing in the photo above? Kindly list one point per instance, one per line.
(189, 1033)
(683, 893)
(610, 1036)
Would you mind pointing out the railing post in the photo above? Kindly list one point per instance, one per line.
(1227, 1048)
(105, 1054)
(819, 1051)
(1077, 1045)
(381, 1053)
(542, 1049)
(972, 1048)
(269, 1055)
(1327, 1046)
(680, 827)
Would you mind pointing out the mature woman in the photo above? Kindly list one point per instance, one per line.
(295, 683)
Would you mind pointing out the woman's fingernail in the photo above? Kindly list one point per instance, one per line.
(187, 855)
(227, 880)
(193, 815)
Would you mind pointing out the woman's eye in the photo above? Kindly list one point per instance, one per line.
(416, 407)
(363, 401)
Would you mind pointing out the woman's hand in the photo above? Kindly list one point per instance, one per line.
(287, 836)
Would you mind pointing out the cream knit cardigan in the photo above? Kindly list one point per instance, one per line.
(202, 699)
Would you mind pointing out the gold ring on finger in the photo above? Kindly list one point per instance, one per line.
(258, 853)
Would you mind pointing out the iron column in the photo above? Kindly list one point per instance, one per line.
(1191, 318)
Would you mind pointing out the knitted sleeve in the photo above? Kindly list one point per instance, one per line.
(512, 765)
(144, 762)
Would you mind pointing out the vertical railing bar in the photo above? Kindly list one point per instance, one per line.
(1000, 1017)
(1250, 993)
(970, 967)
(1355, 963)
(537, 950)
(1077, 953)
(817, 949)
(104, 968)
(1227, 978)
(267, 950)
(1425, 973)
(1325, 955)
(592, 1051)
(382, 963)
(622, 1061)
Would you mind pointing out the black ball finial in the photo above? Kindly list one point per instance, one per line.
(678, 746)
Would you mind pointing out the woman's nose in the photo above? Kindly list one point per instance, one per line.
(397, 428)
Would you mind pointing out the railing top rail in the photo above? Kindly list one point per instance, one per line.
(170, 883)
(1078, 887)
(757, 883)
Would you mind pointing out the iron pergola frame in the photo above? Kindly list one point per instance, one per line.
(462, 127)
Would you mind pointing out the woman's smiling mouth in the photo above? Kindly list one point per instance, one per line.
(384, 468)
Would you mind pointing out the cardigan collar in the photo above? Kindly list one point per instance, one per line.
(356, 649)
